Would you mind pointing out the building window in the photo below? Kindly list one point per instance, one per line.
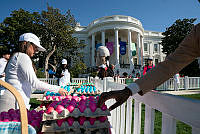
(156, 61)
(145, 47)
(145, 62)
(155, 47)
(82, 41)
(135, 61)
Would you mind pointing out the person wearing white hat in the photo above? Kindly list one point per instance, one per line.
(21, 75)
(63, 74)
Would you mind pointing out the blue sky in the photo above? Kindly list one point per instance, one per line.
(155, 15)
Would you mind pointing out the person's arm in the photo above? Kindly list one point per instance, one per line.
(25, 65)
(188, 51)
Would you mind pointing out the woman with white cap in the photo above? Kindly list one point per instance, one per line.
(63, 74)
(20, 73)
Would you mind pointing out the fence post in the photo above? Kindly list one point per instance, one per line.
(104, 84)
(186, 82)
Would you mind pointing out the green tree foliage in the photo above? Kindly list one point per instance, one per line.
(173, 37)
(19, 22)
(78, 68)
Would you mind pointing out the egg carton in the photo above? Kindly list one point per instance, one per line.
(97, 92)
(97, 128)
(76, 113)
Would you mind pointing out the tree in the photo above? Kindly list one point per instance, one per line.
(57, 36)
(173, 37)
(19, 22)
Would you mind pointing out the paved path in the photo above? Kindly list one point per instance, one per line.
(182, 92)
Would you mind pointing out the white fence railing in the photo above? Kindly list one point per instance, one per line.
(185, 82)
(172, 107)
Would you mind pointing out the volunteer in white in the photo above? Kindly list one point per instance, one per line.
(65, 74)
(3, 62)
(21, 75)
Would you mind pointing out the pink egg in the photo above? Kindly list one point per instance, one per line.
(41, 112)
(92, 120)
(70, 108)
(60, 98)
(35, 124)
(54, 97)
(82, 102)
(15, 120)
(59, 122)
(33, 112)
(68, 97)
(102, 118)
(47, 97)
(81, 120)
(103, 107)
(6, 120)
(83, 97)
(97, 98)
(76, 98)
(70, 121)
(59, 108)
(49, 110)
(73, 101)
(82, 108)
(93, 107)
(11, 111)
(91, 97)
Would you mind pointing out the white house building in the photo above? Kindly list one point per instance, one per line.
(129, 44)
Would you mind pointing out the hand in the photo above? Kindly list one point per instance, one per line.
(120, 96)
(63, 92)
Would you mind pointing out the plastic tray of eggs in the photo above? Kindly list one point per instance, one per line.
(75, 107)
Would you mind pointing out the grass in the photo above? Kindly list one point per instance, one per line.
(181, 128)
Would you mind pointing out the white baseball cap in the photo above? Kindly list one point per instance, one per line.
(32, 38)
(103, 51)
(64, 61)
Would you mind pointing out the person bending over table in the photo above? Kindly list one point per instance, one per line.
(20, 73)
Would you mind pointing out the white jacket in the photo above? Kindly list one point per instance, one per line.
(20, 74)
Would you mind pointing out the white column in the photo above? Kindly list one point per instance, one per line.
(93, 47)
(139, 48)
(151, 47)
(103, 38)
(129, 50)
(142, 50)
(116, 47)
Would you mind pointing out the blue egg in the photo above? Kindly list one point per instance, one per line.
(94, 89)
(52, 94)
(57, 94)
(47, 93)
(78, 89)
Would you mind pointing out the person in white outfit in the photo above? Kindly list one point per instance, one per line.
(20, 73)
(3, 62)
(63, 74)
(176, 81)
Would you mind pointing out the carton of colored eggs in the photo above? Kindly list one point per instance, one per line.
(77, 106)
